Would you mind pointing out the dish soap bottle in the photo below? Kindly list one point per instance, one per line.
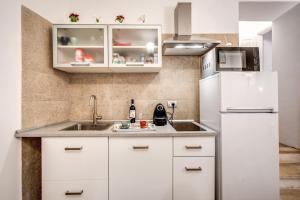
(132, 112)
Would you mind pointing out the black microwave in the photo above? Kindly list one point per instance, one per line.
(230, 59)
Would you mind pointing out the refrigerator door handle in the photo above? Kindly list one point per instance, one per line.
(250, 110)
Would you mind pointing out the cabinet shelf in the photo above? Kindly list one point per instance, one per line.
(132, 47)
(81, 65)
(79, 47)
(122, 68)
(84, 69)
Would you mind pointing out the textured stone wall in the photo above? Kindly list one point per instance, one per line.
(177, 80)
(45, 97)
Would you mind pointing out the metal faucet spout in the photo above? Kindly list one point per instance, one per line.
(93, 101)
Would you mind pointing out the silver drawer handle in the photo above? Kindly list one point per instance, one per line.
(140, 147)
(193, 169)
(69, 193)
(80, 64)
(193, 147)
(73, 148)
(135, 65)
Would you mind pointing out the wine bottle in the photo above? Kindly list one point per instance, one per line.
(132, 112)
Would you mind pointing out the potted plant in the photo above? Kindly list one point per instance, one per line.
(74, 17)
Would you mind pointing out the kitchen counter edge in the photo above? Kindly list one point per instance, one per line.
(54, 130)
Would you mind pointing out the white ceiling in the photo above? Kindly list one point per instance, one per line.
(263, 11)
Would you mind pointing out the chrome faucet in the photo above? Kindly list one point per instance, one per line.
(96, 117)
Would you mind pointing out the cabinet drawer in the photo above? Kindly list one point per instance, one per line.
(194, 178)
(75, 158)
(63, 190)
(194, 146)
(140, 168)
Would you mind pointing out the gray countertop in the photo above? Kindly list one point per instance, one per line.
(161, 131)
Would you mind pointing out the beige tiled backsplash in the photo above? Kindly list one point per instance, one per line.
(178, 80)
(45, 93)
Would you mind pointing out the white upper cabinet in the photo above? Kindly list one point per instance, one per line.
(135, 48)
(80, 48)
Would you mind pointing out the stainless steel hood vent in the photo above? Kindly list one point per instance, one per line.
(184, 43)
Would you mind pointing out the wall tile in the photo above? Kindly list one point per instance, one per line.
(178, 80)
(45, 91)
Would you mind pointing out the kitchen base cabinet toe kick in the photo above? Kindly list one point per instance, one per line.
(128, 168)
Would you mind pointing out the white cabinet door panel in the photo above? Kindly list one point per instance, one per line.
(194, 146)
(193, 178)
(140, 168)
(79, 190)
(75, 158)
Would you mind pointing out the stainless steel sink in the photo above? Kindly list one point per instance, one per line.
(89, 127)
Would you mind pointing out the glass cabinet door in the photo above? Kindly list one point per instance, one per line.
(135, 46)
(80, 46)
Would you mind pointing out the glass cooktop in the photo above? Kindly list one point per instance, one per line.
(186, 126)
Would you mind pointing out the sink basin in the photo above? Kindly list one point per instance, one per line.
(89, 127)
(186, 126)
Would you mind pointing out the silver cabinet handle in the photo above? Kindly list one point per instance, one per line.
(73, 148)
(193, 169)
(140, 147)
(69, 193)
(135, 65)
(193, 147)
(80, 64)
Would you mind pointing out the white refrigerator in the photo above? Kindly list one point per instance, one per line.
(243, 108)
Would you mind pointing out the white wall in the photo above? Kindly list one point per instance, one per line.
(249, 32)
(209, 16)
(286, 57)
(267, 51)
(249, 36)
(10, 101)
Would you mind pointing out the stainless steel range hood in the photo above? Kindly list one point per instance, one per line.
(184, 43)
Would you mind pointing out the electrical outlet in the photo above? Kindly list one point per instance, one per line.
(172, 102)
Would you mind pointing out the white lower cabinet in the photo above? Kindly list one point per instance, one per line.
(75, 168)
(75, 158)
(194, 146)
(194, 178)
(128, 168)
(81, 190)
(140, 168)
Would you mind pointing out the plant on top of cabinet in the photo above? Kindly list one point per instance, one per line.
(80, 48)
(74, 17)
(134, 47)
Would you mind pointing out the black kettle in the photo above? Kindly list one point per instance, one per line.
(160, 115)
